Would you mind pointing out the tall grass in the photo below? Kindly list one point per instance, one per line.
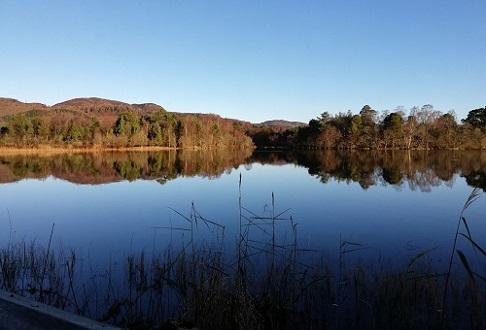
(266, 281)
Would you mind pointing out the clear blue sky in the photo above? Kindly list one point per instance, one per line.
(253, 60)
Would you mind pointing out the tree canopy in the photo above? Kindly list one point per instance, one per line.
(422, 128)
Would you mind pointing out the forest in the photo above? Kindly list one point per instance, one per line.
(100, 123)
(422, 128)
(114, 128)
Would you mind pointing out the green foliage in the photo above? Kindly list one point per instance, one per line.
(394, 121)
(128, 124)
(128, 170)
(21, 125)
(155, 133)
(476, 118)
(368, 116)
(128, 129)
(76, 133)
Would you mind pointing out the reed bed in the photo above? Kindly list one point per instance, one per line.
(265, 281)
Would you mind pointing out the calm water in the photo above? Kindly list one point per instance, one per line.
(395, 204)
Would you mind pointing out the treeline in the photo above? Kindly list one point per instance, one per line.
(421, 128)
(126, 129)
(115, 126)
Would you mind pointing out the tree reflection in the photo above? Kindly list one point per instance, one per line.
(97, 168)
(418, 170)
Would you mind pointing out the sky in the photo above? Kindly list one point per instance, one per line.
(251, 60)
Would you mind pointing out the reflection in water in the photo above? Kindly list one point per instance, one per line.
(96, 168)
(419, 170)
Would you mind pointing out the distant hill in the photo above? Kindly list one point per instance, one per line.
(282, 124)
(107, 111)
(96, 104)
(10, 106)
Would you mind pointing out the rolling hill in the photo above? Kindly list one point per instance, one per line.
(282, 124)
(10, 106)
(107, 109)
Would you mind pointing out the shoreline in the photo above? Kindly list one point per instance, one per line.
(50, 150)
(66, 150)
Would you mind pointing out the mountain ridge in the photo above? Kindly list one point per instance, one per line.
(282, 123)
(11, 106)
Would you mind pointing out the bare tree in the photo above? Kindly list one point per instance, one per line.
(426, 117)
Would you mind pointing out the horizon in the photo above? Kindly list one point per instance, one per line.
(248, 61)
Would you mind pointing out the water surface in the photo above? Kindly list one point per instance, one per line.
(109, 204)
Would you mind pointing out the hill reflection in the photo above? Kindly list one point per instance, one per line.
(106, 167)
(418, 170)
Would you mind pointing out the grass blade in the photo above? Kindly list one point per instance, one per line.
(418, 256)
(474, 244)
(466, 226)
(466, 265)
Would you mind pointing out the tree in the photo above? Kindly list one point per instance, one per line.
(368, 132)
(426, 116)
(128, 123)
(329, 138)
(324, 118)
(155, 133)
(446, 126)
(476, 118)
(393, 121)
(21, 125)
(40, 128)
(393, 128)
(411, 127)
(368, 115)
(343, 123)
(75, 133)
